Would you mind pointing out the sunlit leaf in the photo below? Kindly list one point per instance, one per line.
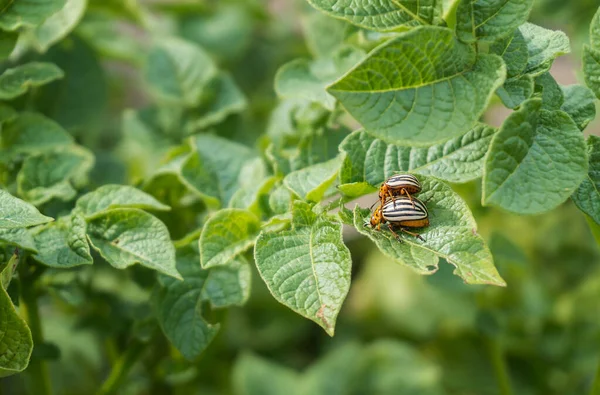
(63, 243)
(15, 213)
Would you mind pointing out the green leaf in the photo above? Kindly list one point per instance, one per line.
(549, 90)
(489, 20)
(16, 344)
(371, 160)
(54, 175)
(227, 234)
(20, 237)
(356, 189)
(324, 35)
(595, 30)
(312, 182)
(451, 235)
(307, 268)
(178, 72)
(587, 196)
(253, 375)
(280, 200)
(534, 148)
(109, 197)
(15, 213)
(306, 79)
(32, 133)
(400, 100)
(580, 104)
(224, 99)
(63, 244)
(213, 168)
(17, 81)
(382, 15)
(8, 41)
(543, 46)
(591, 68)
(128, 236)
(516, 90)
(17, 13)
(254, 185)
(60, 24)
(513, 50)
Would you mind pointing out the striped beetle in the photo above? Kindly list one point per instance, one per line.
(401, 213)
(400, 184)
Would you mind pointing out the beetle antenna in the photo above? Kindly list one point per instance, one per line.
(373, 205)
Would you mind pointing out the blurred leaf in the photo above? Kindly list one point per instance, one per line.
(543, 46)
(32, 133)
(15, 213)
(534, 148)
(307, 268)
(489, 20)
(226, 234)
(386, 105)
(373, 161)
(8, 41)
(312, 182)
(254, 184)
(253, 375)
(356, 189)
(591, 56)
(280, 200)
(63, 243)
(385, 15)
(451, 235)
(60, 24)
(15, 14)
(109, 197)
(17, 81)
(516, 90)
(179, 71)
(20, 237)
(54, 175)
(125, 237)
(213, 168)
(587, 196)
(580, 104)
(324, 35)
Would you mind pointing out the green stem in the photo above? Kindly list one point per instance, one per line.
(596, 383)
(499, 366)
(41, 384)
(450, 15)
(121, 368)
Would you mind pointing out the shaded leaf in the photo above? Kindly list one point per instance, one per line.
(312, 182)
(516, 90)
(587, 196)
(513, 50)
(534, 148)
(451, 235)
(15, 213)
(254, 184)
(17, 81)
(15, 14)
(8, 41)
(109, 197)
(409, 91)
(579, 103)
(324, 35)
(548, 89)
(253, 375)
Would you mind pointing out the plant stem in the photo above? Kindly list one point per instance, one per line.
(596, 383)
(121, 368)
(450, 14)
(499, 366)
(29, 304)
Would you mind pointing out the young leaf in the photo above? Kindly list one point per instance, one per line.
(579, 103)
(128, 236)
(400, 100)
(543, 46)
(17, 81)
(489, 20)
(307, 268)
(587, 196)
(15, 14)
(63, 244)
(54, 175)
(381, 15)
(451, 235)
(312, 182)
(20, 237)
(15, 343)
(535, 162)
(60, 24)
(15, 213)
(109, 197)
(178, 71)
(372, 160)
(32, 133)
(227, 234)
(516, 90)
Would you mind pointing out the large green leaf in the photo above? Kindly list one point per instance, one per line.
(514, 52)
(125, 237)
(535, 162)
(109, 197)
(371, 160)
(227, 234)
(543, 46)
(17, 13)
(490, 20)
(312, 182)
(420, 88)
(451, 235)
(54, 175)
(587, 196)
(307, 268)
(213, 168)
(15, 343)
(178, 71)
(63, 244)
(60, 24)
(15, 213)
(31, 133)
(579, 103)
(17, 81)
(380, 15)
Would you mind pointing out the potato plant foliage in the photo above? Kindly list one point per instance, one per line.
(161, 159)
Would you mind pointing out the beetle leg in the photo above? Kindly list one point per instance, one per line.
(391, 195)
(396, 235)
(410, 197)
(418, 236)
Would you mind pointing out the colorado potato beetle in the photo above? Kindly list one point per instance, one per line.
(401, 213)
(398, 185)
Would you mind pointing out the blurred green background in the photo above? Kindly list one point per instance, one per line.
(398, 332)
